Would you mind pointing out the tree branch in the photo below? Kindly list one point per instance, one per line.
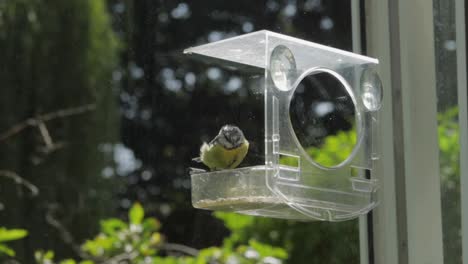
(19, 180)
(41, 119)
(121, 257)
(12, 261)
(46, 135)
(180, 248)
(67, 237)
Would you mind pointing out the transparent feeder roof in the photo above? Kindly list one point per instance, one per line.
(250, 49)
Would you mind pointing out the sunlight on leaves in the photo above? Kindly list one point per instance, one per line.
(136, 214)
(12, 234)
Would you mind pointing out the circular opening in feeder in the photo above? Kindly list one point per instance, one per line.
(323, 116)
(282, 67)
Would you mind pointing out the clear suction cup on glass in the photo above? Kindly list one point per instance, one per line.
(283, 68)
(372, 93)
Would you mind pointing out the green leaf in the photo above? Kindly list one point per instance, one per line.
(42, 256)
(155, 239)
(267, 250)
(208, 255)
(86, 262)
(112, 226)
(100, 245)
(49, 255)
(136, 214)
(6, 250)
(151, 224)
(12, 234)
(234, 221)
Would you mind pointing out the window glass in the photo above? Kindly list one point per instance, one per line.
(448, 128)
(101, 115)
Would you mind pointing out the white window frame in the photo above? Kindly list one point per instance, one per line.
(407, 225)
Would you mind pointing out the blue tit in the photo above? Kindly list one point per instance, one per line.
(226, 150)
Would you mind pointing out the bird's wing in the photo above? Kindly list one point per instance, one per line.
(214, 141)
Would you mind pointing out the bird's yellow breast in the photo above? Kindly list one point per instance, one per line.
(217, 157)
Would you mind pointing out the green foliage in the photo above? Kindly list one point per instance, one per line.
(139, 241)
(47, 257)
(266, 251)
(173, 260)
(253, 253)
(335, 149)
(4, 249)
(449, 161)
(7, 235)
(136, 214)
(449, 139)
(305, 242)
(44, 256)
(234, 221)
(11, 234)
(138, 237)
(57, 55)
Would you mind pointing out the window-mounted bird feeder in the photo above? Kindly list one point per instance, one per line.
(310, 113)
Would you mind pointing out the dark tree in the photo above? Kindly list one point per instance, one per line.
(56, 56)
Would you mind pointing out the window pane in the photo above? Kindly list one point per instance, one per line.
(446, 74)
(100, 112)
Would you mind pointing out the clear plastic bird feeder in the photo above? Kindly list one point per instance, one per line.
(290, 178)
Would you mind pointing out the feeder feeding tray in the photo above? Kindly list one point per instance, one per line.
(288, 182)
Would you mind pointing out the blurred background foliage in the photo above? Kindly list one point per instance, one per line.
(138, 241)
(99, 109)
(449, 159)
(7, 235)
(57, 60)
